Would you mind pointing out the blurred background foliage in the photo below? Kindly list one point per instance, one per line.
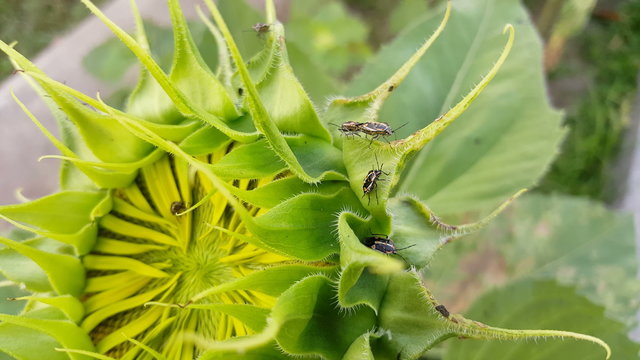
(606, 55)
(558, 258)
(35, 24)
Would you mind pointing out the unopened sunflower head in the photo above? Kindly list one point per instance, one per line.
(220, 216)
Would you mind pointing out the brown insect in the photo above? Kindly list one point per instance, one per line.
(349, 128)
(374, 129)
(370, 183)
(378, 129)
(261, 28)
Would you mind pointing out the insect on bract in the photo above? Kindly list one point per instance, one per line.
(261, 28)
(349, 128)
(374, 129)
(378, 129)
(383, 244)
(443, 310)
(371, 181)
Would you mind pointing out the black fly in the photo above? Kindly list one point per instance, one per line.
(371, 181)
(384, 244)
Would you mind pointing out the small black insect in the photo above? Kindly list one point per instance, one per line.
(370, 183)
(240, 91)
(384, 244)
(378, 129)
(177, 207)
(443, 310)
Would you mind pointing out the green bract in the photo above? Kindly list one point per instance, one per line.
(222, 216)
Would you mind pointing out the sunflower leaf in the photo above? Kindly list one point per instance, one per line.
(545, 304)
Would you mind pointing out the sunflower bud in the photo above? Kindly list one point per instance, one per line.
(221, 216)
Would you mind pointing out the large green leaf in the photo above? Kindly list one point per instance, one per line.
(405, 12)
(109, 61)
(544, 305)
(325, 41)
(317, 83)
(577, 242)
(411, 322)
(479, 160)
(573, 241)
(327, 31)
